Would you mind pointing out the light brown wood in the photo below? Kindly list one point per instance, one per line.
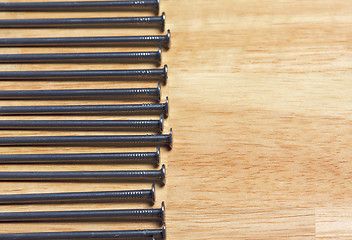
(260, 95)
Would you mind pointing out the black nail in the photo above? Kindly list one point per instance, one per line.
(97, 141)
(146, 234)
(127, 157)
(152, 94)
(84, 125)
(156, 214)
(101, 57)
(141, 176)
(120, 41)
(145, 5)
(128, 109)
(82, 75)
(147, 195)
(121, 22)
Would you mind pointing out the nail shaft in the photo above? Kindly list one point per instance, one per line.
(156, 214)
(70, 197)
(128, 157)
(98, 141)
(76, 6)
(102, 57)
(81, 75)
(146, 175)
(118, 41)
(84, 94)
(121, 22)
(128, 109)
(83, 125)
(147, 234)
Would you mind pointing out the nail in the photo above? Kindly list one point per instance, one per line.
(84, 94)
(101, 57)
(145, 5)
(144, 175)
(70, 197)
(146, 234)
(82, 75)
(128, 157)
(119, 41)
(156, 214)
(120, 22)
(84, 125)
(129, 109)
(97, 141)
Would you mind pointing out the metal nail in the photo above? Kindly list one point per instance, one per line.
(145, 234)
(126, 157)
(84, 125)
(152, 94)
(120, 22)
(70, 197)
(117, 41)
(156, 214)
(97, 141)
(126, 109)
(100, 57)
(141, 176)
(82, 75)
(75, 6)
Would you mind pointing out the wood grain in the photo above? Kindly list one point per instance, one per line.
(260, 95)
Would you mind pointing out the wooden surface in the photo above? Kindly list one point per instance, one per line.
(260, 95)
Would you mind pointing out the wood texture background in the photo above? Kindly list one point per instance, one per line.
(260, 95)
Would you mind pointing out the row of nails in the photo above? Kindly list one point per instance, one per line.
(153, 57)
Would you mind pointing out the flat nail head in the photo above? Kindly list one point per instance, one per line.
(163, 22)
(163, 174)
(157, 158)
(163, 234)
(161, 123)
(170, 139)
(168, 40)
(159, 91)
(165, 74)
(153, 192)
(159, 59)
(157, 8)
(166, 111)
(162, 217)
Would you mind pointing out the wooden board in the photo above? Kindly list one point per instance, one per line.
(260, 95)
